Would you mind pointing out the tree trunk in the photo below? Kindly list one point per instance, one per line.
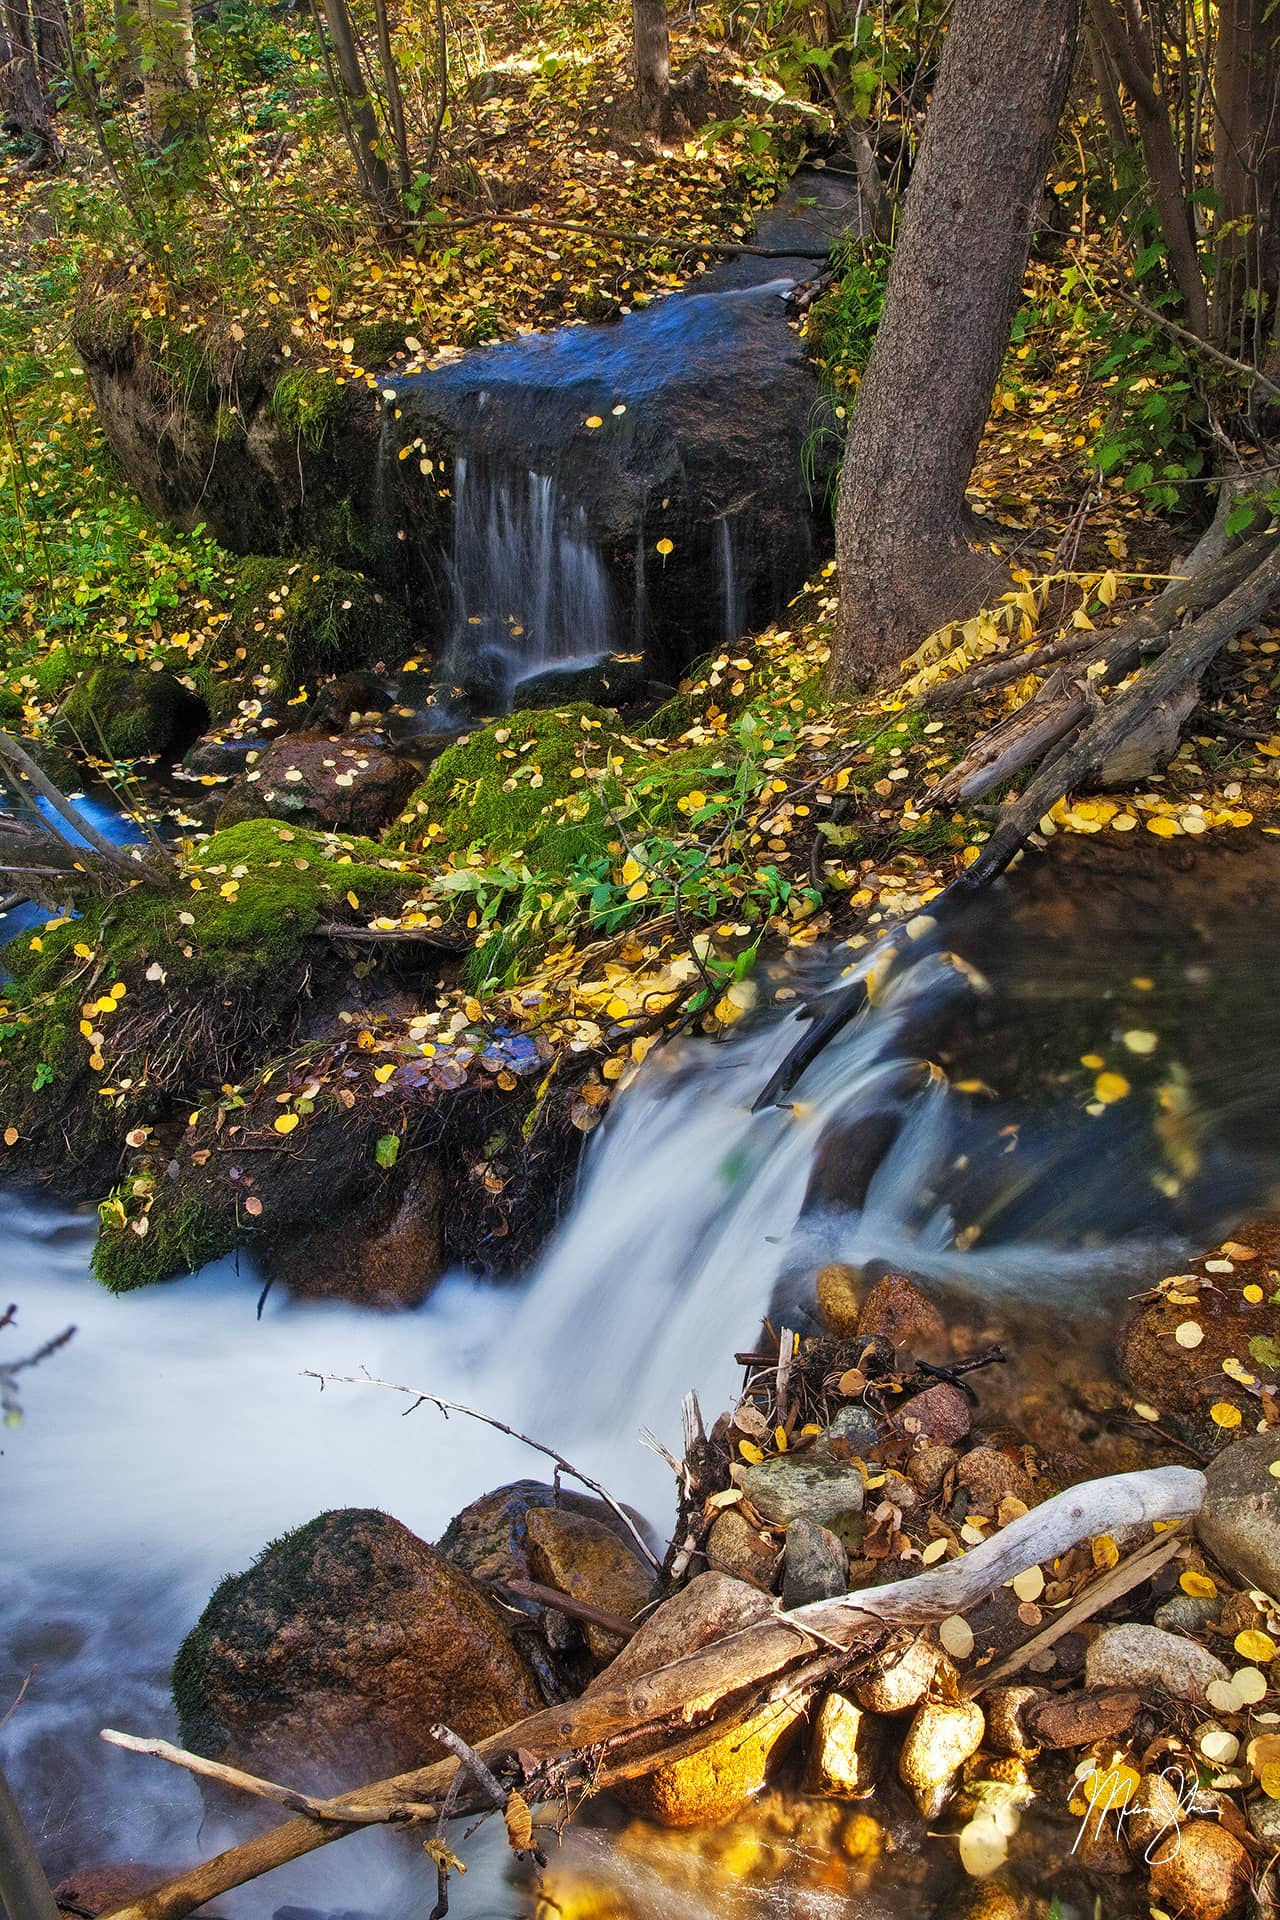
(906, 566)
(1247, 171)
(653, 61)
(22, 94)
(126, 46)
(52, 43)
(169, 69)
(1128, 41)
(364, 136)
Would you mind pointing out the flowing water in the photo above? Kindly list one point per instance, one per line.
(175, 1434)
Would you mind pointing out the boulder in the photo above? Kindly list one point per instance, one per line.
(897, 1311)
(223, 754)
(1148, 1657)
(587, 1560)
(939, 1416)
(317, 780)
(489, 1539)
(735, 1547)
(941, 1737)
(129, 713)
(840, 1292)
(1239, 1523)
(843, 1750)
(385, 1252)
(815, 1565)
(789, 1487)
(338, 1650)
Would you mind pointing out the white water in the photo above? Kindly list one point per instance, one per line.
(176, 1435)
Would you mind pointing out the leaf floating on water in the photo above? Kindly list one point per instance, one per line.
(1140, 1040)
(1110, 1087)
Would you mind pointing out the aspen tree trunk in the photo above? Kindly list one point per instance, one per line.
(168, 45)
(652, 61)
(1246, 150)
(906, 565)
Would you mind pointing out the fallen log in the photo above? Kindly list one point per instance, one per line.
(640, 1724)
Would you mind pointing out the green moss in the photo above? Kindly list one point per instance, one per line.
(297, 621)
(376, 341)
(307, 402)
(182, 1238)
(125, 712)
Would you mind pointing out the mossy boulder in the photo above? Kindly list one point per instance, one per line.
(331, 1659)
(124, 712)
(321, 781)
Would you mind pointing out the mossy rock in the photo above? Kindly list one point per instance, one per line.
(125, 712)
(293, 624)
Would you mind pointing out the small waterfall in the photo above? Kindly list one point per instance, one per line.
(529, 589)
(732, 598)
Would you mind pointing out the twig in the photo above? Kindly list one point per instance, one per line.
(420, 1398)
(417, 936)
(1201, 346)
(470, 1759)
(565, 1603)
(307, 1803)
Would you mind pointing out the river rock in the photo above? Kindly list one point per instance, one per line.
(1204, 1876)
(619, 680)
(840, 1294)
(333, 1656)
(387, 1251)
(1184, 1383)
(489, 1538)
(124, 712)
(587, 1560)
(851, 1435)
(737, 1548)
(939, 1416)
(843, 1750)
(1264, 1822)
(1005, 1709)
(1068, 1720)
(928, 1468)
(897, 1311)
(806, 1486)
(1239, 1523)
(989, 1476)
(897, 1686)
(223, 754)
(712, 1605)
(1147, 1657)
(1188, 1612)
(939, 1740)
(315, 780)
(815, 1565)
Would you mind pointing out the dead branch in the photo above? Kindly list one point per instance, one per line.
(637, 1724)
(405, 936)
(566, 1604)
(447, 1407)
(306, 1803)
(16, 757)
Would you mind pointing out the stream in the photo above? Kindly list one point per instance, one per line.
(175, 1435)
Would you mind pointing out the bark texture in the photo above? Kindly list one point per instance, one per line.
(169, 69)
(1247, 170)
(22, 99)
(653, 61)
(906, 566)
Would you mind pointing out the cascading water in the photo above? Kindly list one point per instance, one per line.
(529, 589)
(175, 1435)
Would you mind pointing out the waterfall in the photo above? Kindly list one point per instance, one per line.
(528, 588)
(733, 612)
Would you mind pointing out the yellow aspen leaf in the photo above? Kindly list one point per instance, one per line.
(383, 1074)
(1162, 827)
(285, 1122)
(665, 546)
(11, 1136)
(1110, 1087)
(1105, 1552)
(353, 899)
(593, 420)
(1188, 1334)
(780, 1439)
(1255, 1645)
(1199, 1585)
(750, 1451)
(1223, 1414)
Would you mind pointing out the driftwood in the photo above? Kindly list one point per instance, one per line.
(628, 1729)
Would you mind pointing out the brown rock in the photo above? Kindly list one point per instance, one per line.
(386, 1252)
(316, 780)
(488, 1539)
(1202, 1874)
(1078, 1719)
(712, 1605)
(939, 1740)
(1239, 1523)
(899, 1685)
(1005, 1709)
(840, 1292)
(896, 1309)
(939, 1415)
(734, 1547)
(928, 1467)
(843, 1750)
(587, 1560)
(333, 1656)
(1183, 1383)
(988, 1476)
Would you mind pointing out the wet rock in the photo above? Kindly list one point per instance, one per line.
(223, 755)
(1006, 1708)
(714, 1783)
(1239, 1523)
(1205, 1875)
(996, 1900)
(1187, 1613)
(314, 780)
(1264, 1822)
(939, 1740)
(333, 1656)
(802, 1486)
(125, 712)
(928, 1468)
(619, 680)
(840, 1292)
(735, 1547)
(843, 1750)
(347, 700)
(939, 1416)
(1146, 1657)
(1102, 1849)
(712, 1605)
(896, 1310)
(989, 1476)
(1154, 1812)
(587, 1560)
(1079, 1719)
(385, 1252)
(489, 1539)
(1183, 1384)
(897, 1686)
(851, 1435)
(814, 1565)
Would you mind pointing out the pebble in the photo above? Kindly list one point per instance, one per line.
(852, 1434)
(843, 1750)
(1138, 1656)
(898, 1688)
(940, 1415)
(1205, 1876)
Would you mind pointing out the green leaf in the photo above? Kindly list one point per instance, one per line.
(1264, 1350)
(387, 1151)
